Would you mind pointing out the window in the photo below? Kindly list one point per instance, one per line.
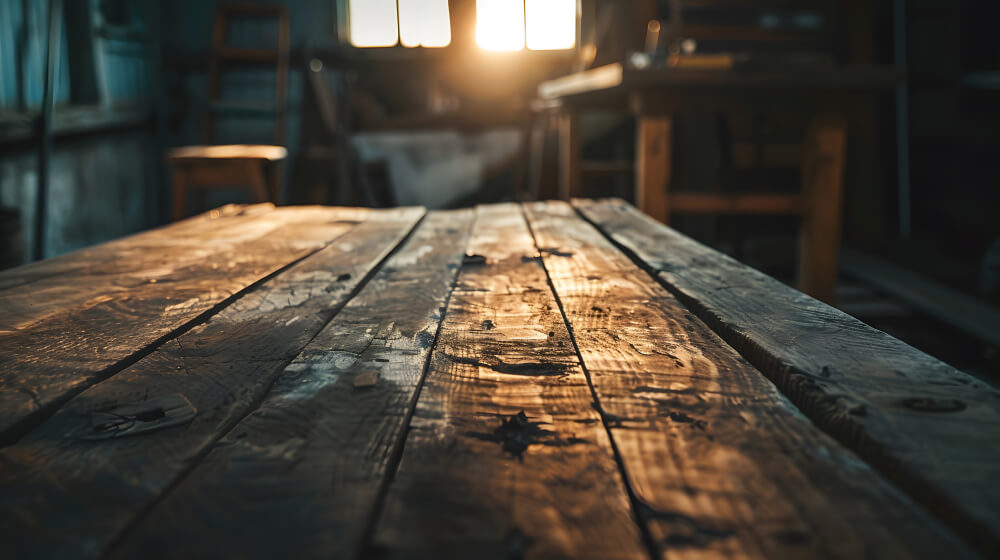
(420, 23)
(510, 25)
(501, 25)
(551, 24)
(424, 23)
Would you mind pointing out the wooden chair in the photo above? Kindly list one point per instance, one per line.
(256, 168)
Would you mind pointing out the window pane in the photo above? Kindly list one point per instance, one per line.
(373, 23)
(500, 24)
(551, 24)
(424, 23)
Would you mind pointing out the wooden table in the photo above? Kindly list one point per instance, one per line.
(538, 381)
(655, 95)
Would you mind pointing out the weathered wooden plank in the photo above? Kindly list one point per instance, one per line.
(705, 439)
(64, 492)
(61, 286)
(308, 464)
(229, 223)
(505, 456)
(929, 428)
(103, 322)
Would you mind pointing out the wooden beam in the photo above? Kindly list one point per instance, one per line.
(569, 155)
(603, 77)
(929, 428)
(971, 315)
(696, 203)
(823, 194)
(654, 165)
(607, 167)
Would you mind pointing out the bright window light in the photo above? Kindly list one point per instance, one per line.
(500, 24)
(424, 23)
(373, 23)
(551, 24)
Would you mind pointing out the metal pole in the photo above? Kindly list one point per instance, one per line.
(45, 128)
(902, 119)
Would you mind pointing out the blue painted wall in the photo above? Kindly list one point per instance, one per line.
(22, 44)
(312, 24)
(103, 183)
(108, 184)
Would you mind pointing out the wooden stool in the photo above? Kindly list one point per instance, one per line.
(655, 95)
(255, 166)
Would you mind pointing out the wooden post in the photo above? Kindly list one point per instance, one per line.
(823, 186)
(44, 124)
(569, 155)
(653, 165)
(180, 192)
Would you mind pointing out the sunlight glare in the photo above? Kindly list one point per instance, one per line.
(424, 23)
(373, 23)
(500, 24)
(551, 24)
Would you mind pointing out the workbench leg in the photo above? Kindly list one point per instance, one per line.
(653, 165)
(536, 157)
(822, 190)
(180, 193)
(569, 155)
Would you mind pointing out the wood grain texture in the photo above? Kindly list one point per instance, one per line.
(476, 481)
(723, 465)
(823, 195)
(133, 254)
(929, 428)
(69, 330)
(309, 462)
(654, 165)
(63, 494)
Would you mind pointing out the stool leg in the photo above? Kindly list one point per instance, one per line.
(257, 176)
(823, 186)
(653, 163)
(180, 193)
(274, 170)
(569, 155)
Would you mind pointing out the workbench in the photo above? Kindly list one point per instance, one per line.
(546, 380)
(655, 95)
